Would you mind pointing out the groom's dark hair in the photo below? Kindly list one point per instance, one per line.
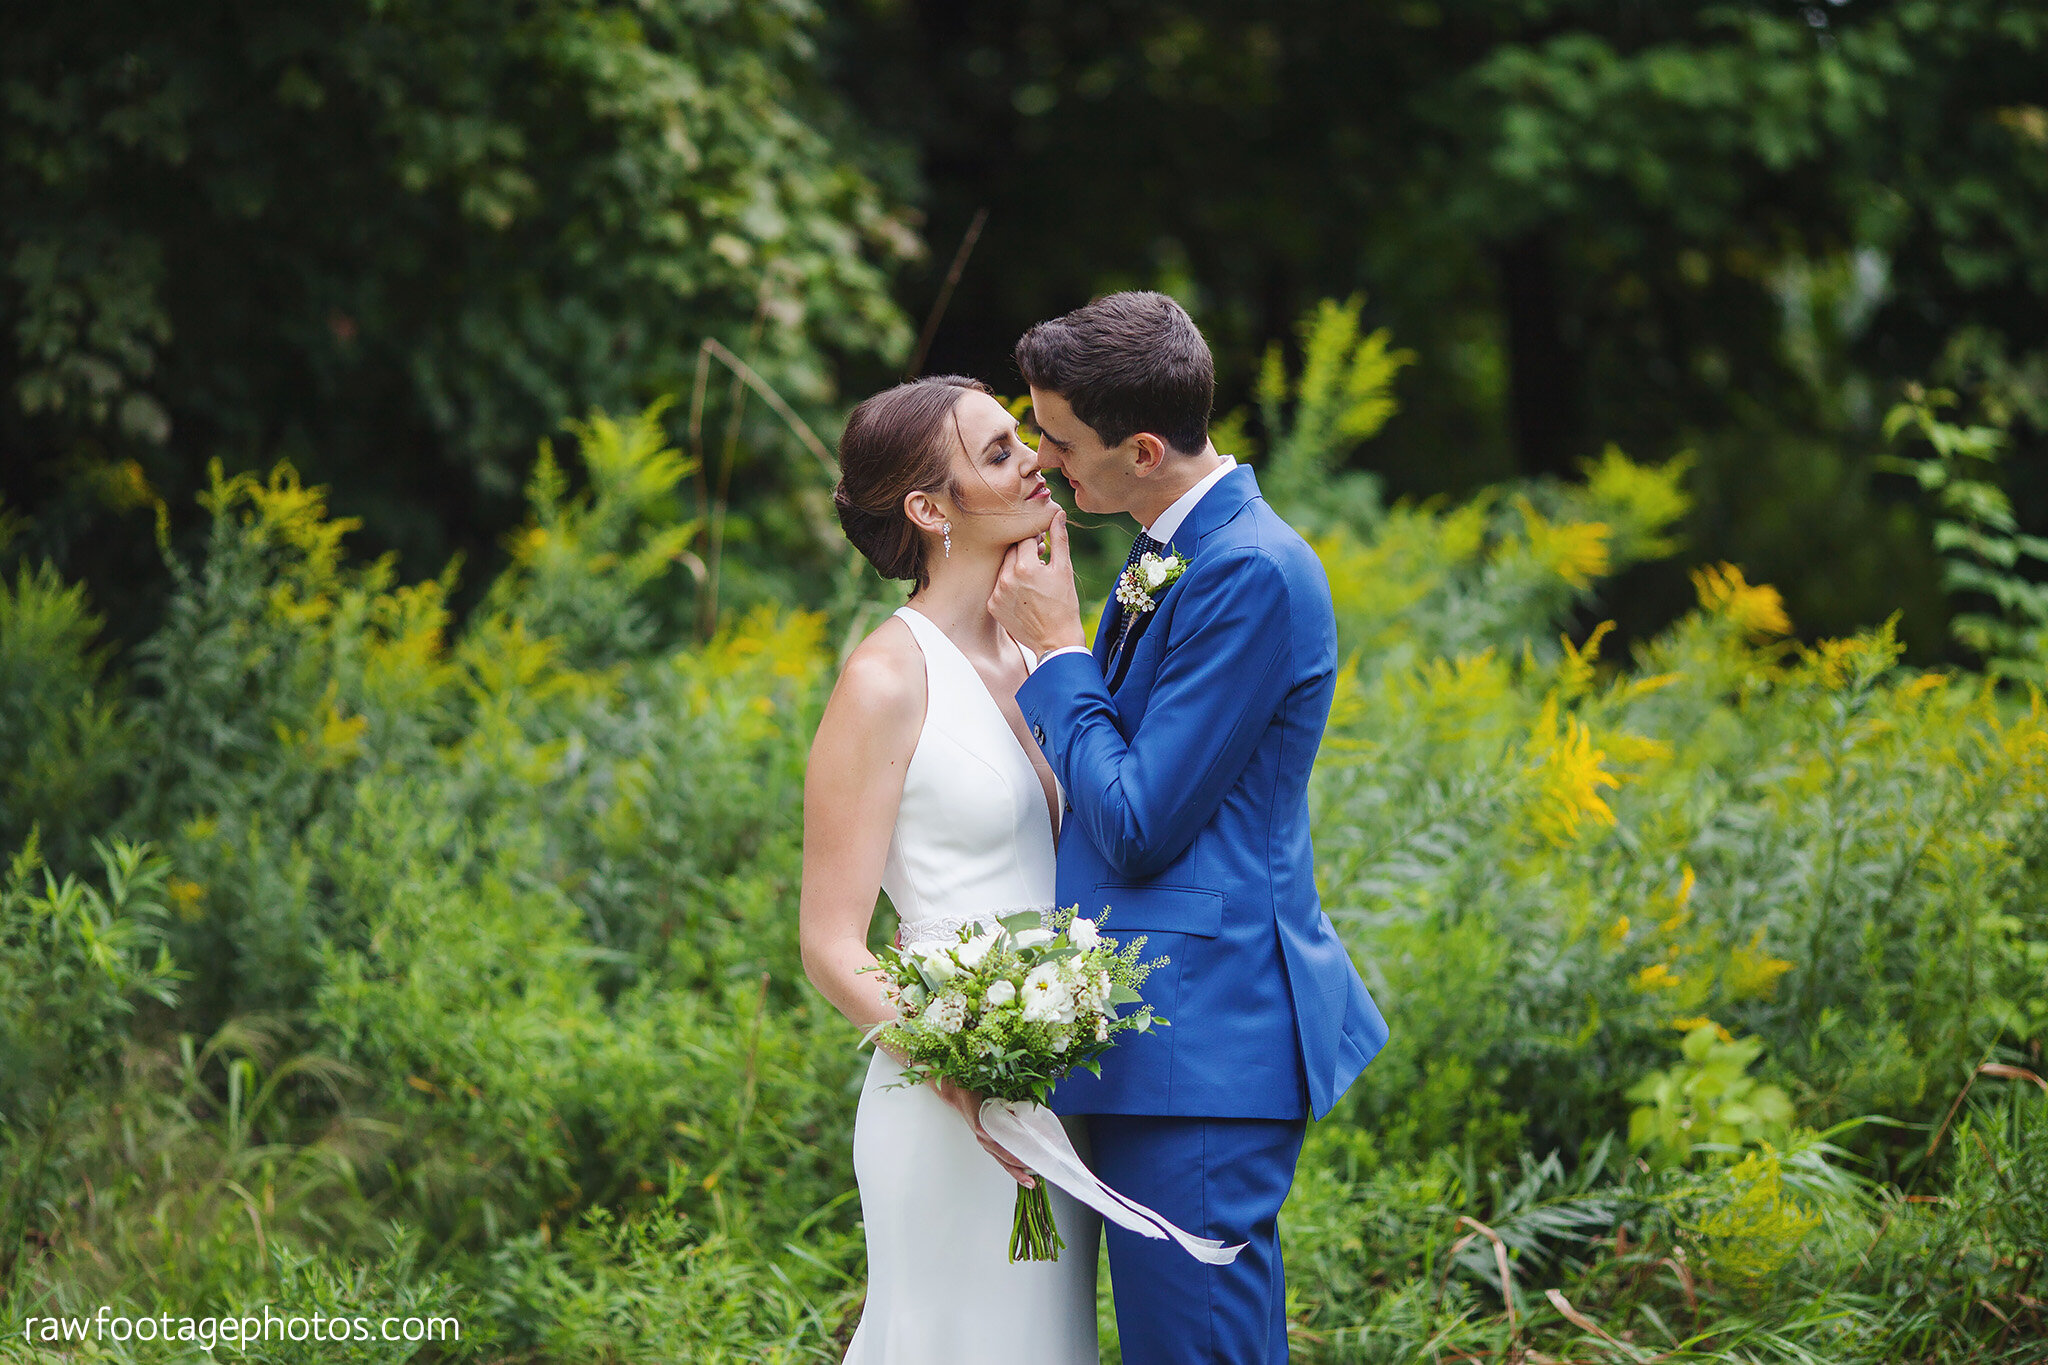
(1127, 363)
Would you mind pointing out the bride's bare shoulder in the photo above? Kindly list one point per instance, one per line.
(883, 680)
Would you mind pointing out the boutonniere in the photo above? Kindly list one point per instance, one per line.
(1150, 575)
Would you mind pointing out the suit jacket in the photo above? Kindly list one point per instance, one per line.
(1187, 775)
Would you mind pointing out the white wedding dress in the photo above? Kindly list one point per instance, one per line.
(974, 839)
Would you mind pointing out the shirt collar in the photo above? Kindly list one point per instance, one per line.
(1169, 521)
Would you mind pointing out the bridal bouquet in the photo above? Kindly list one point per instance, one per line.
(1008, 1011)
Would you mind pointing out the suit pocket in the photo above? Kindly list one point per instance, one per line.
(1166, 909)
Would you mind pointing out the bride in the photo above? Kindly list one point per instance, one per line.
(924, 782)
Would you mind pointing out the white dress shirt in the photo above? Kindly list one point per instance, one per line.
(1168, 522)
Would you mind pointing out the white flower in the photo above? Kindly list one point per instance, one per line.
(937, 962)
(1077, 985)
(948, 1014)
(1083, 935)
(1033, 938)
(970, 953)
(1101, 1029)
(1001, 994)
(1152, 573)
(1060, 1044)
(1103, 987)
(913, 997)
(1047, 998)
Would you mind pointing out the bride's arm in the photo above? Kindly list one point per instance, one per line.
(852, 788)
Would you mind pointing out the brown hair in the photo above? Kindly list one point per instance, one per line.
(895, 444)
(1127, 363)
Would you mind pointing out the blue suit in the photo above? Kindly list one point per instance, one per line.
(1186, 756)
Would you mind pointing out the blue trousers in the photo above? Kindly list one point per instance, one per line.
(1223, 1178)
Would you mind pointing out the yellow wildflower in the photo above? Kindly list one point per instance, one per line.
(341, 737)
(1575, 670)
(1681, 901)
(1574, 551)
(1921, 686)
(1757, 609)
(1629, 748)
(1655, 977)
(187, 897)
(1569, 775)
(1647, 499)
(1751, 973)
(1643, 686)
(1461, 696)
(1857, 660)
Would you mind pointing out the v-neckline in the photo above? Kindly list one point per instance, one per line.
(1045, 803)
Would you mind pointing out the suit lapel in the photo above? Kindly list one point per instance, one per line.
(1215, 507)
(1105, 631)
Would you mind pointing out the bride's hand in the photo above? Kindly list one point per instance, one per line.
(968, 1103)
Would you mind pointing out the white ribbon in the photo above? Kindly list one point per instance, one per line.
(1032, 1133)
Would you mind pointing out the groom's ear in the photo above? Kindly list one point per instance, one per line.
(1149, 452)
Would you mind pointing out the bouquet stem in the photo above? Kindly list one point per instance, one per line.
(1033, 1234)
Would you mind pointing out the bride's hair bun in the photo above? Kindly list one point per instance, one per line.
(897, 443)
(889, 542)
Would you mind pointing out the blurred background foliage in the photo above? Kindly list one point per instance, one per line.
(357, 957)
(399, 243)
(418, 587)
(1726, 228)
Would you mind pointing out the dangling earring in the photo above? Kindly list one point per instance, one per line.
(946, 532)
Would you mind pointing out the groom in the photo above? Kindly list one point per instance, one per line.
(1184, 740)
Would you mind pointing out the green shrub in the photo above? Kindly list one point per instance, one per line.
(65, 738)
(1709, 1097)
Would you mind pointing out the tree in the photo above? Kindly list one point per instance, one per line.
(1734, 226)
(399, 242)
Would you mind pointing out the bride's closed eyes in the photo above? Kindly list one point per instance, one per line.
(1000, 446)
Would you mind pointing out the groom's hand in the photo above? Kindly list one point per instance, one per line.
(1036, 602)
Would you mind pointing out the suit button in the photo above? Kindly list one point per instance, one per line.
(1038, 733)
